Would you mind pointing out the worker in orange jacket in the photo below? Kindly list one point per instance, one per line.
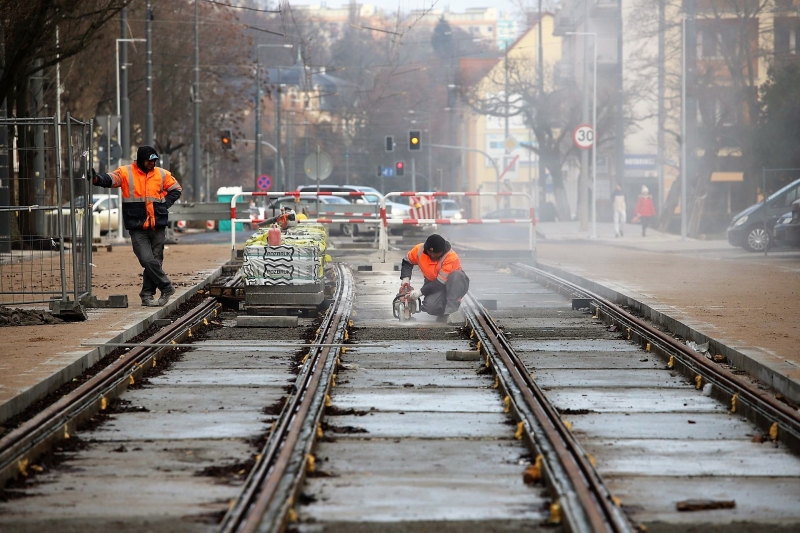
(147, 194)
(445, 283)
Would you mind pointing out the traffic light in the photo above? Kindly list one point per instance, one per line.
(389, 143)
(414, 140)
(399, 168)
(226, 139)
(380, 171)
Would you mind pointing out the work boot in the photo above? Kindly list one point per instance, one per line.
(456, 318)
(165, 295)
(148, 301)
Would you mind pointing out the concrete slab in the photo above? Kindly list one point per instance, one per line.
(422, 480)
(453, 401)
(217, 424)
(615, 378)
(238, 377)
(247, 321)
(683, 426)
(566, 345)
(575, 360)
(634, 400)
(651, 500)
(647, 457)
(424, 425)
(381, 377)
(187, 398)
(75, 501)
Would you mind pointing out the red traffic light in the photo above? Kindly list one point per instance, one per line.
(400, 164)
(399, 168)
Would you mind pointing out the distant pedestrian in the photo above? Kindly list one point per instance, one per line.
(645, 211)
(619, 210)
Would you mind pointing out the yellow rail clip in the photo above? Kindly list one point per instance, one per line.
(734, 398)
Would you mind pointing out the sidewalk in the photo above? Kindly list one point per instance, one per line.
(655, 241)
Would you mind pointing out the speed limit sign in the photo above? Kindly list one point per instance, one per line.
(583, 136)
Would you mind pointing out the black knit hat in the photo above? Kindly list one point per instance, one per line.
(435, 244)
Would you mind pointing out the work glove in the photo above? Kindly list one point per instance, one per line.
(415, 294)
(404, 282)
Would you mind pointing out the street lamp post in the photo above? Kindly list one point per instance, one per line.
(683, 130)
(594, 129)
(258, 109)
(122, 137)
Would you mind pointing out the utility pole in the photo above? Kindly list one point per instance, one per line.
(583, 196)
(258, 122)
(149, 137)
(661, 107)
(505, 97)
(197, 164)
(620, 123)
(541, 96)
(125, 102)
(278, 169)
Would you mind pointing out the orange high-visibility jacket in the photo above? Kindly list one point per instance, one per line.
(146, 198)
(434, 270)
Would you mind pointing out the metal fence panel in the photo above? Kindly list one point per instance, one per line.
(45, 213)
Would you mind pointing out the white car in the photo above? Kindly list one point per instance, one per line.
(450, 209)
(104, 206)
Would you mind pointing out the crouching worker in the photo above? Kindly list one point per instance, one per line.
(445, 283)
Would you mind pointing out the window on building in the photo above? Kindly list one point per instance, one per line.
(786, 33)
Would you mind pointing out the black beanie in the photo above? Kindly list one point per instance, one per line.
(435, 244)
(143, 154)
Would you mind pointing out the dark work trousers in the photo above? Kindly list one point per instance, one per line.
(148, 245)
(646, 221)
(447, 301)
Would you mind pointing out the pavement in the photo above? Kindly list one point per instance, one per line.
(54, 354)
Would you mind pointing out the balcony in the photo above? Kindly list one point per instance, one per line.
(606, 51)
(563, 74)
(603, 8)
(564, 22)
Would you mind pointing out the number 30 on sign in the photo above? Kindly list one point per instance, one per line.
(583, 136)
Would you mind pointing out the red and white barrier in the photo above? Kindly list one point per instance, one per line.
(423, 202)
(418, 197)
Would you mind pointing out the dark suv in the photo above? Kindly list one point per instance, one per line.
(752, 228)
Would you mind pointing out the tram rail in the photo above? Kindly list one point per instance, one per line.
(22, 445)
(759, 406)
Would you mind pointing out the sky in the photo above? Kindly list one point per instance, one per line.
(408, 5)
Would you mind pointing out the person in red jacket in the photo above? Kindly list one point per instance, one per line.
(147, 194)
(645, 211)
(445, 283)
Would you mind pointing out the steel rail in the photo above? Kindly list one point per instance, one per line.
(759, 406)
(61, 418)
(585, 502)
(267, 497)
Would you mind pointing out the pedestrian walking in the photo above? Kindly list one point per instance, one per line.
(147, 194)
(620, 210)
(645, 211)
(445, 283)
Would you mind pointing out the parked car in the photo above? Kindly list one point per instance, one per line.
(787, 228)
(104, 205)
(450, 209)
(752, 228)
(393, 209)
(308, 205)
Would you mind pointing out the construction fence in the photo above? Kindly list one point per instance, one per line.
(45, 210)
